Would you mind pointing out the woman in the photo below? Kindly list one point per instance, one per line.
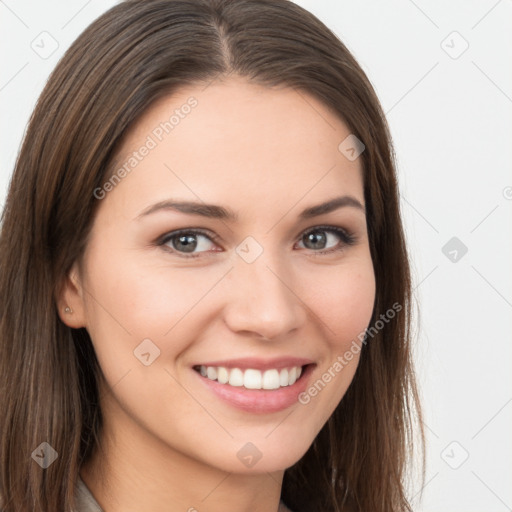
(205, 291)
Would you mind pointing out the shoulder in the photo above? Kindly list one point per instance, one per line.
(85, 501)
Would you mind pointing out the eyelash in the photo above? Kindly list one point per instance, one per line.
(347, 239)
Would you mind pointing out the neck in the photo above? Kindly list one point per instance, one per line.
(136, 471)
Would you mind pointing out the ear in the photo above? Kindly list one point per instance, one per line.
(70, 301)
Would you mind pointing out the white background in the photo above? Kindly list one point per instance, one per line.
(450, 117)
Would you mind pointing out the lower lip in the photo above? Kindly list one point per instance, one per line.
(260, 401)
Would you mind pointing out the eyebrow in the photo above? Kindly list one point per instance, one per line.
(214, 211)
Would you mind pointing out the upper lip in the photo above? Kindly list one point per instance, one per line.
(259, 363)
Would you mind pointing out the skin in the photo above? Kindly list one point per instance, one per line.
(170, 443)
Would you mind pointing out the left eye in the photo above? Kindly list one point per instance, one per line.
(327, 235)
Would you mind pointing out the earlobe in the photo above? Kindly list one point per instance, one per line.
(70, 300)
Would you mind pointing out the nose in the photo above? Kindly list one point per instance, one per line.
(262, 300)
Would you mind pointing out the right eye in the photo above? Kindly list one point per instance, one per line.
(185, 241)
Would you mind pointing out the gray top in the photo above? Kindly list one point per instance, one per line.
(86, 502)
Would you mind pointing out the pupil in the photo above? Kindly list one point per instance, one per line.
(315, 239)
(188, 243)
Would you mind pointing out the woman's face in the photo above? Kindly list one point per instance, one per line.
(273, 280)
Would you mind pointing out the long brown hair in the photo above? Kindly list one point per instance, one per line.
(137, 52)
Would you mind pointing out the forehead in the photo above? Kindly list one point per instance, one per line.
(236, 141)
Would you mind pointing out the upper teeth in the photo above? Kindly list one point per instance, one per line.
(252, 379)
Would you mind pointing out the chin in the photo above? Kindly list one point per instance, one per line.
(261, 456)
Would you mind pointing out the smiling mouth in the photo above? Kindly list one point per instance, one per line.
(253, 379)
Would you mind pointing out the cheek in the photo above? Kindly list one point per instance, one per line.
(127, 291)
(344, 307)
(129, 301)
(345, 303)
